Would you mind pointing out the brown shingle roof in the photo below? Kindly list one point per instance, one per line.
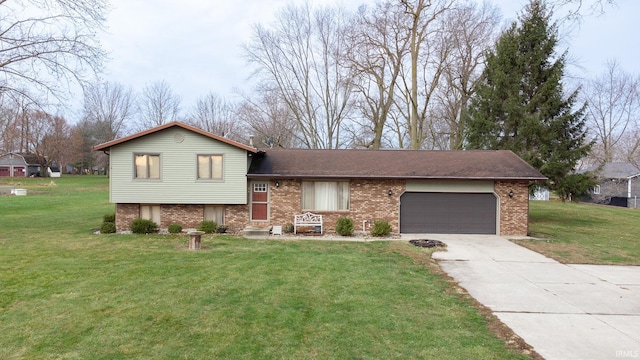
(381, 164)
(109, 144)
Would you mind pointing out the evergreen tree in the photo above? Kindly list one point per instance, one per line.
(520, 104)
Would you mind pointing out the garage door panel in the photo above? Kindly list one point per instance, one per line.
(448, 213)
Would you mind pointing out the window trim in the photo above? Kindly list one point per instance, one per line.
(148, 169)
(210, 178)
(596, 190)
(260, 187)
(348, 187)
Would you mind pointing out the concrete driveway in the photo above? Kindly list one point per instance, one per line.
(563, 311)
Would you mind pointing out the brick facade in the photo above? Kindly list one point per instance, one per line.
(188, 216)
(369, 201)
(236, 217)
(514, 211)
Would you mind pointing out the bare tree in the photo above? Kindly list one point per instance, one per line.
(47, 45)
(9, 126)
(467, 32)
(216, 115)
(378, 46)
(84, 135)
(613, 106)
(425, 69)
(269, 121)
(300, 57)
(577, 9)
(110, 107)
(158, 105)
(41, 134)
(54, 146)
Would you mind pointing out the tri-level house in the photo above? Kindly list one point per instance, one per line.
(176, 173)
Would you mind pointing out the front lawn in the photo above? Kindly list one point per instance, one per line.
(585, 233)
(66, 293)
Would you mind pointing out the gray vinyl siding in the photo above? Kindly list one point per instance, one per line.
(178, 183)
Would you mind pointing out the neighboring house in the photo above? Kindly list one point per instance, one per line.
(20, 165)
(618, 184)
(176, 173)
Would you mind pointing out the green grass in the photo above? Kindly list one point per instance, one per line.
(68, 294)
(584, 233)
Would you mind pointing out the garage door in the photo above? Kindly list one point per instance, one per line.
(448, 213)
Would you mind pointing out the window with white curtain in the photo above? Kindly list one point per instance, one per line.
(214, 213)
(210, 167)
(147, 166)
(150, 212)
(325, 195)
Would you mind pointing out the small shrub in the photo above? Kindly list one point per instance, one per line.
(208, 227)
(108, 227)
(221, 229)
(288, 228)
(174, 228)
(380, 228)
(109, 218)
(143, 226)
(344, 226)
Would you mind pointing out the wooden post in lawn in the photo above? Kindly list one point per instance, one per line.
(194, 239)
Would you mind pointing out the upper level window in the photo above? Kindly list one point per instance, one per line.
(325, 195)
(596, 190)
(210, 167)
(147, 166)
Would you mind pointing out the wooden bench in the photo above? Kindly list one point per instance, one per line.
(307, 219)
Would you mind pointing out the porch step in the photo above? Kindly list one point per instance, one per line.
(250, 231)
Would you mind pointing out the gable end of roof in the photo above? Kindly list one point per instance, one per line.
(109, 144)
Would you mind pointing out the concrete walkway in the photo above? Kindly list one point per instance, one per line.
(563, 311)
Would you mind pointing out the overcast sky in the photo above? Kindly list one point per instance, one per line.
(195, 45)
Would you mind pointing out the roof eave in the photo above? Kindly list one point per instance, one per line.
(383, 177)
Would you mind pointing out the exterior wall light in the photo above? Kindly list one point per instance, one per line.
(390, 192)
(277, 184)
(510, 193)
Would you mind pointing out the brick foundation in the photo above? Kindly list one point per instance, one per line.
(125, 214)
(188, 216)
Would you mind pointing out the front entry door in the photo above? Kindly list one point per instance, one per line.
(259, 200)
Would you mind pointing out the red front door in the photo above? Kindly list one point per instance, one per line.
(260, 200)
